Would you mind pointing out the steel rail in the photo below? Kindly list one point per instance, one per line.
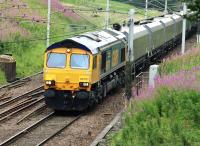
(59, 131)
(21, 133)
(5, 98)
(18, 84)
(15, 107)
(21, 96)
(31, 113)
(22, 79)
(4, 94)
(37, 93)
(21, 109)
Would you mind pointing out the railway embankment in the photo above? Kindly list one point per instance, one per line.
(169, 113)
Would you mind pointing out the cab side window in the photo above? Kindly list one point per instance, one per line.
(95, 62)
(103, 62)
(122, 54)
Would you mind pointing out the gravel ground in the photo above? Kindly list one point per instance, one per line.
(84, 131)
(81, 132)
(9, 127)
(35, 82)
(43, 131)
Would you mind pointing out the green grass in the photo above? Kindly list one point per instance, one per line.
(177, 63)
(172, 118)
(99, 17)
(169, 116)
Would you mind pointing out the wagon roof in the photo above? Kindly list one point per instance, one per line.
(141, 30)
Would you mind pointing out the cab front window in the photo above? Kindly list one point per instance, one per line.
(56, 60)
(79, 61)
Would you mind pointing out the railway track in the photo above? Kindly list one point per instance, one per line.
(20, 82)
(41, 131)
(15, 112)
(15, 105)
(10, 100)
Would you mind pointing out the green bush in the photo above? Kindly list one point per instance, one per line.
(172, 118)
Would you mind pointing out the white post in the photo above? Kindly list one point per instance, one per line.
(48, 21)
(184, 29)
(107, 13)
(131, 35)
(198, 30)
(153, 72)
(146, 9)
(165, 7)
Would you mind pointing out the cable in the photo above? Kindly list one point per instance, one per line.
(38, 39)
(88, 10)
(161, 4)
(42, 39)
(157, 7)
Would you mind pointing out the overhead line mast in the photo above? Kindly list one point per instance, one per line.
(146, 9)
(184, 28)
(48, 22)
(130, 57)
(107, 13)
(165, 11)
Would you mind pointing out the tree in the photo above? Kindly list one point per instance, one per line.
(194, 5)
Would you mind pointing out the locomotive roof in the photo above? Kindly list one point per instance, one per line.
(91, 41)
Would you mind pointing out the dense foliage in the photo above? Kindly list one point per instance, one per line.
(194, 5)
(169, 113)
(177, 62)
(172, 118)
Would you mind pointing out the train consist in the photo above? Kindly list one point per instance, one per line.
(80, 71)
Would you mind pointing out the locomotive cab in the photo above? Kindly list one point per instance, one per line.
(67, 78)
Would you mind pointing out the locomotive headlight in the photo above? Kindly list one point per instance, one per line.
(83, 84)
(50, 82)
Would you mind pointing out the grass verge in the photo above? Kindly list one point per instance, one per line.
(171, 118)
(169, 113)
(177, 62)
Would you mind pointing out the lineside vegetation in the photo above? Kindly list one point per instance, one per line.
(169, 113)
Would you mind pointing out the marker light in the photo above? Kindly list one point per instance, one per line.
(50, 82)
(68, 50)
